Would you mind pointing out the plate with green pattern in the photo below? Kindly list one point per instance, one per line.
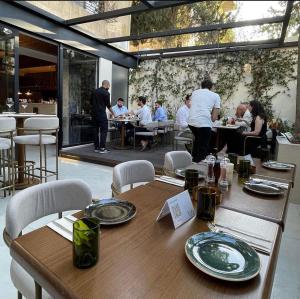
(222, 256)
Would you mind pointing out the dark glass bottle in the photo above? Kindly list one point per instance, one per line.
(217, 171)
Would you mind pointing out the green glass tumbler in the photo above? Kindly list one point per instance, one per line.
(206, 205)
(191, 179)
(244, 169)
(85, 242)
(233, 159)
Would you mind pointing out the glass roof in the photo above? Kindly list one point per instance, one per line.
(176, 17)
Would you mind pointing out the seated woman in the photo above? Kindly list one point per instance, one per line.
(235, 144)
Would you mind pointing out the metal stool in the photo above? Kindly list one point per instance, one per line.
(39, 131)
(7, 169)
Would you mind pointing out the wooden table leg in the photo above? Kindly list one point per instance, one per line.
(123, 135)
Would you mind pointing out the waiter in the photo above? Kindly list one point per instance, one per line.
(101, 101)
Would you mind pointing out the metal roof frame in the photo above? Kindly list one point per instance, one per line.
(147, 5)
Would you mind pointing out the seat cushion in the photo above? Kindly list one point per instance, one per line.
(35, 139)
(5, 143)
(24, 282)
(146, 133)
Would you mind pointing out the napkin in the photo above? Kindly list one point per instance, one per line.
(170, 180)
(270, 183)
(63, 226)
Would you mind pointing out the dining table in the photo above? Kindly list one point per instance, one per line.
(21, 182)
(221, 128)
(122, 121)
(143, 258)
(271, 208)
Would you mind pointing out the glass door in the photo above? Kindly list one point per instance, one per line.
(79, 77)
(7, 69)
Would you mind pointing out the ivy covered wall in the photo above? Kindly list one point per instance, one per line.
(272, 80)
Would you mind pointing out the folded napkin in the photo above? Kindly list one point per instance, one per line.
(270, 183)
(170, 180)
(280, 163)
(255, 240)
(63, 226)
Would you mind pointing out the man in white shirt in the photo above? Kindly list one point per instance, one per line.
(144, 115)
(182, 114)
(204, 111)
(243, 116)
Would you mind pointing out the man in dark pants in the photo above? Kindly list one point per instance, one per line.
(101, 101)
(204, 110)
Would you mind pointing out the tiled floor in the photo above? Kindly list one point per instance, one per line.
(287, 277)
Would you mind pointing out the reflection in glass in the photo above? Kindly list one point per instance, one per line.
(7, 68)
(79, 73)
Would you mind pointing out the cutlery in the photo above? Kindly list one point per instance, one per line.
(242, 232)
(257, 247)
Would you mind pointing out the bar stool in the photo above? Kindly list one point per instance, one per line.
(7, 170)
(38, 131)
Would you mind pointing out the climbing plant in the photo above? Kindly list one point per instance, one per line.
(171, 79)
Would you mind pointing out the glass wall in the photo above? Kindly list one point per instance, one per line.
(7, 68)
(79, 81)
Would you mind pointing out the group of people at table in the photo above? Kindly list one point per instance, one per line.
(200, 114)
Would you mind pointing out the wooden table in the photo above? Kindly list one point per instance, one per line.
(143, 258)
(20, 148)
(123, 122)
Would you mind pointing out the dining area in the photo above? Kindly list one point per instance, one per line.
(151, 236)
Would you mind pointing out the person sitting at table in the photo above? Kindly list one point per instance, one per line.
(144, 116)
(182, 114)
(119, 109)
(235, 142)
(160, 113)
(243, 116)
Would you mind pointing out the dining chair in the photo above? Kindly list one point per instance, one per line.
(38, 131)
(151, 131)
(32, 204)
(175, 160)
(259, 143)
(7, 164)
(183, 137)
(131, 172)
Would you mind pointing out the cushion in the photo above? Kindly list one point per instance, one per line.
(35, 139)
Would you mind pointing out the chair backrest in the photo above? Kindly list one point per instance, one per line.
(152, 125)
(7, 124)
(45, 199)
(42, 123)
(177, 159)
(131, 172)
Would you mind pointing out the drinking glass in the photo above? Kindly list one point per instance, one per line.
(244, 169)
(9, 103)
(223, 182)
(206, 205)
(85, 242)
(191, 179)
(233, 159)
(210, 160)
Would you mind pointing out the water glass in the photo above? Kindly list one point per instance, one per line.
(206, 205)
(85, 242)
(191, 179)
(244, 169)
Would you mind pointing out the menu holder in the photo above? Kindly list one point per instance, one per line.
(180, 208)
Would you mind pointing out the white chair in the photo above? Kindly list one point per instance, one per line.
(151, 131)
(34, 203)
(38, 131)
(175, 160)
(7, 169)
(183, 137)
(131, 172)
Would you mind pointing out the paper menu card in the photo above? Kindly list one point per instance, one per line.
(180, 207)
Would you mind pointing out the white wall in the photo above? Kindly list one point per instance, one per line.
(105, 71)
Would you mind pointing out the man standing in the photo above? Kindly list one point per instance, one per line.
(182, 114)
(101, 101)
(204, 110)
(160, 114)
(120, 109)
